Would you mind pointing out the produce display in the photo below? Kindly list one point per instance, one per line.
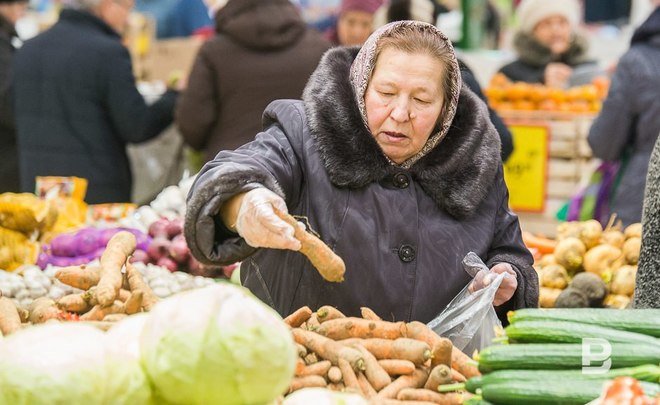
(504, 95)
(543, 360)
(587, 266)
(382, 361)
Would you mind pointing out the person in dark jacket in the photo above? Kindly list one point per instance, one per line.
(273, 53)
(424, 11)
(393, 163)
(10, 12)
(547, 42)
(77, 106)
(629, 123)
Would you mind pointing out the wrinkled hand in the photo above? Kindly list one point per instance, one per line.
(557, 75)
(258, 224)
(506, 289)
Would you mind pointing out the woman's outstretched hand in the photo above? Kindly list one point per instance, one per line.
(506, 289)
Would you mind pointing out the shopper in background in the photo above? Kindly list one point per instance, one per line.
(629, 123)
(354, 23)
(176, 18)
(77, 105)
(393, 163)
(262, 51)
(424, 10)
(10, 12)
(547, 43)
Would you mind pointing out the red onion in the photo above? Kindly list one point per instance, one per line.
(158, 228)
(140, 256)
(174, 227)
(179, 249)
(168, 263)
(158, 249)
(195, 268)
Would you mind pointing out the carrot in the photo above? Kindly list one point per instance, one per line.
(367, 389)
(133, 304)
(300, 366)
(348, 374)
(397, 367)
(44, 309)
(119, 248)
(74, 303)
(399, 349)
(321, 368)
(419, 331)
(337, 387)
(334, 375)
(328, 313)
(10, 320)
(414, 394)
(367, 313)
(313, 323)
(442, 352)
(328, 349)
(302, 350)
(415, 380)
(543, 245)
(458, 377)
(136, 282)
(309, 381)
(298, 317)
(439, 375)
(80, 277)
(329, 265)
(114, 317)
(345, 328)
(98, 312)
(377, 376)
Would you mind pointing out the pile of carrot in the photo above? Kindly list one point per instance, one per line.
(386, 362)
(111, 291)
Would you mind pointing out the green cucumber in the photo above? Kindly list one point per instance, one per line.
(645, 321)
(535, 392)
(561, 356)
(649, 372)
(571, 332)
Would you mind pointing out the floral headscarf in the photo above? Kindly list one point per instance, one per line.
(365, 62)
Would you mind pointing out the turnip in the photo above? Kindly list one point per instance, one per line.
(158, 229)
(179, 249)
(158, 249)
(168, 263)
(174, 227)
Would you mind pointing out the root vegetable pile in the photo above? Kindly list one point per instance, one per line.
(382, 361)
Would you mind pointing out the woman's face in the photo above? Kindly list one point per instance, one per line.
(555, 33)
(354, 27)
(403, 101)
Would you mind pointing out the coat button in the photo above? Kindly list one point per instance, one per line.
(407, 253)
(401, 180)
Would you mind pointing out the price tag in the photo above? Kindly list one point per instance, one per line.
(526, 170)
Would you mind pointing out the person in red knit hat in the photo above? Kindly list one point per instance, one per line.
(355, 22)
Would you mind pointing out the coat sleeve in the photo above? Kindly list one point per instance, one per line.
(508, 247)
(610, 132)
(268, 161)
(198, 107)
(518, 71)
(132, 119)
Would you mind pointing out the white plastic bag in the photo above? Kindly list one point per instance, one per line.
(469, 320)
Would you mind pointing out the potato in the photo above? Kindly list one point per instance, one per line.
(631, 249)
(590, 233)
(569, 253)
(613, 238)
(633, 231)
(617, 301)
(548, 297)
(623, 281)
(603, 260)
(554, 276)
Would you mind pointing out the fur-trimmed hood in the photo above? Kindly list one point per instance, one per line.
(457, 173)
(532, 52)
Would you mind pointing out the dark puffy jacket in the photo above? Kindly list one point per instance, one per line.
(77, 107)
(262, 51)
(402, 233)
(629, 123)
(8, 151)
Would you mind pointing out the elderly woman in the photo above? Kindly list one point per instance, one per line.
(547, 43)
(392, 162)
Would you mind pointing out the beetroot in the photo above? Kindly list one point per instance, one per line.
(174, 227)
(140, 256)
(158, 248)
(64, 245)
(168, 263)
(179, 249)
(159, 228)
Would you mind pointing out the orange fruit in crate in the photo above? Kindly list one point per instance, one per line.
(589, 92)
(524, 105)
(574, 93)
(557, 95)
(505, 106)
(579, 106)
(518, 91)
(595, 106)
(548, 105)
(564, 106)
(495, 93)
(538, 93)
(499, 80)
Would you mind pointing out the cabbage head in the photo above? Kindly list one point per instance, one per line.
(67, 363)
(217, 345)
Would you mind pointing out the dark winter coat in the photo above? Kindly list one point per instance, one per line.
(8, 152)
(262, 51)
(402, 233)
(77, 107)
(629, 123)
(533, 57)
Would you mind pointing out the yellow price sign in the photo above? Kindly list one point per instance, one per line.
(526, 170)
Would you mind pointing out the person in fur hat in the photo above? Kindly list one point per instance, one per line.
(547, 42)
(393, 163)
(354, 23)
